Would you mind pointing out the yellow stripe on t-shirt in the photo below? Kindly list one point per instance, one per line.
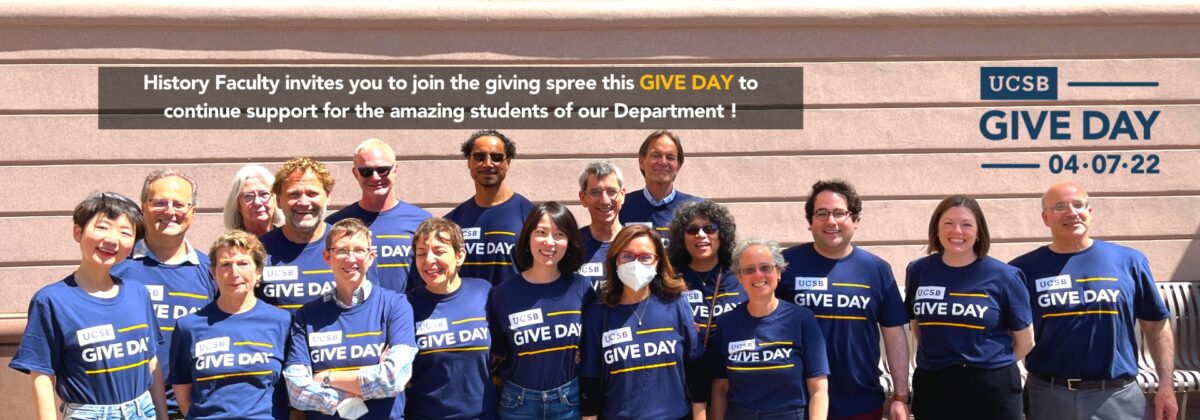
(978, 295)
(846, 317)
(364, 334)
(637, 368)
(500, 232)
(949, 324)
(254, 344)
(133, 327)
(392, 265)
(234, 375)
(187, 295)
(564, 313)
(656, 330)
(454, 349)
(761, 367)
(393, 236)
(863, 286)
(1077, 313)
(118, 368)
(466, 320)
(1085, 280)
(316, 272)
(533, 352)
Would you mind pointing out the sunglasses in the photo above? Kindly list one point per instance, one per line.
(710, 229)
(366, 172)
(483, 157)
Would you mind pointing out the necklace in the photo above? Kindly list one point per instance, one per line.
(635, 309)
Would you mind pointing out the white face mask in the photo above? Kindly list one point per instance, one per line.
(636, 275)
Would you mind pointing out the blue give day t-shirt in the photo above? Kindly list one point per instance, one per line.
(296, 274)
(850, 297)
(175, 291)
(450, 373)
(490, 234)
(233, 362)
(536, 329)
(1085, 305)
(966, 314)
(639, 351)
(391, 238)
(325, 336)
(768, 360)
(97, 349)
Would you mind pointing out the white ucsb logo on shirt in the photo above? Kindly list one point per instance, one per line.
(812, 283)
(1053, 283)
(931, 293)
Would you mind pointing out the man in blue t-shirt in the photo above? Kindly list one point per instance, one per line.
(659, 159)
(602, 193)
(854, 297)
(391, 220)
(1086, 295)
(491, 220)
(296, 272)
(175, 273)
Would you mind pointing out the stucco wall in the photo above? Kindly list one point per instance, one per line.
(891, 93)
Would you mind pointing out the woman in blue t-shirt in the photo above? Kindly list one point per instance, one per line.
(971, 319)
(227, 357)
(450, 373)
(639, 336)
(768, 356)
(703, 234)
(536, 319)
(90, 338)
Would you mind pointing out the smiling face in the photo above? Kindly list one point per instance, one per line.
(957, 231)
(168, 208)
(350, 257)
(1076, 219)
(661, 164)
(832, 225)
(303, 201)
(489, 172)
(702, 246)
(374, 184)
(235, 272)
(104, 242)
(548, 243)
(603, 199)
(438, 262)
(261, 204)
(759, 286)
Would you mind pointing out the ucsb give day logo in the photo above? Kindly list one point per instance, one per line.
(1071, 128)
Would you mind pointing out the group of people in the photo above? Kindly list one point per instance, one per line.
(507, 309)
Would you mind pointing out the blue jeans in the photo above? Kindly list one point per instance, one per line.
(517, 403)
(140, 408)
(734, 412)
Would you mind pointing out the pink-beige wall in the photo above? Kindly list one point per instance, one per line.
(891, 94)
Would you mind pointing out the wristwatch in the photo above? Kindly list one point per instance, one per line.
(325, 381)
(900, 398)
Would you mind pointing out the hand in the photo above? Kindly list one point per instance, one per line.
(1165, 406)
(898, 410)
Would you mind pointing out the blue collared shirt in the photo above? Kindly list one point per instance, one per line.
(657, 203)
(141, 250)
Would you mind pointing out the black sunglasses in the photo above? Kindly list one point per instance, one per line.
(710, 229)
(483, 157)
(366, 172)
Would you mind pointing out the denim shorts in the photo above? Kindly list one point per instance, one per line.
(517, 403)
(140, 408)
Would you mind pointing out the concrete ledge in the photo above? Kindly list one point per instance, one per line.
(588, 14)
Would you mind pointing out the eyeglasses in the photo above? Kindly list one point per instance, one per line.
(1063, 206)
(597, 193)
(709, 229)
(483, 157)
(344, 253)
(366, 172)
(836, 215)
(252, 196)
(628, 257)
(749, 270)
(162, 205)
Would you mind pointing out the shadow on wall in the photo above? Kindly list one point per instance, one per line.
(1189, 266)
